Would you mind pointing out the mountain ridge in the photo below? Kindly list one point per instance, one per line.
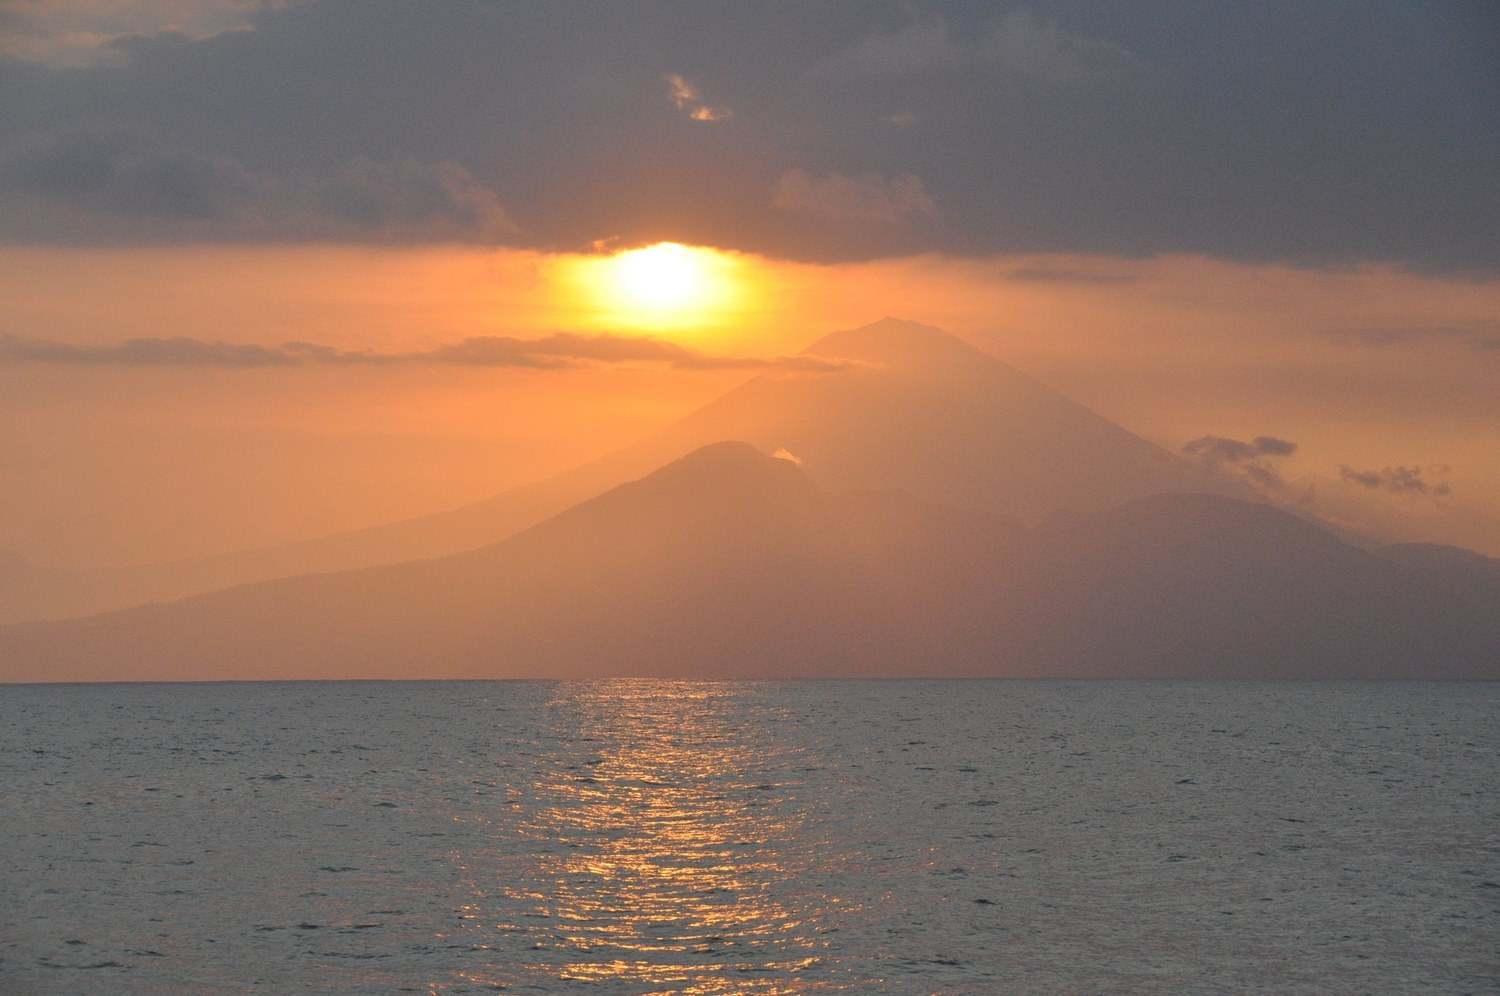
(729, 563)
(916, 410)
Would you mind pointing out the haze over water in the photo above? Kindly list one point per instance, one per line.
(654, 837)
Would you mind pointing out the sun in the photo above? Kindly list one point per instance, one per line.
(666, 285)
(662, 277)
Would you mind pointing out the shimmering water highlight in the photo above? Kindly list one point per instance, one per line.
(661, 837)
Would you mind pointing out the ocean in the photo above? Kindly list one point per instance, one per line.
(633, 837)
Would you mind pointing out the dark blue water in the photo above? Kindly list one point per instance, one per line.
(658, 837)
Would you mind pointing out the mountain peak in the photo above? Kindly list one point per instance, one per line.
(897, 342)
(727, 460)
(718, 477)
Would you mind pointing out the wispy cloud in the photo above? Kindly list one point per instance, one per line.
(137, 187)
(1016, 42)
(1396, 480)
(687, 100)
(1024, 45)
(1067, 275)
(1482, 335)
(79, 33)
(913, 49)
(559, 351)
(1255, 459)
(178, 351)
(864, 197)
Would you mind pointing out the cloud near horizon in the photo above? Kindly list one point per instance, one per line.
(1255, 459)
(563, 350)
(1396, 480)
(1479, 335)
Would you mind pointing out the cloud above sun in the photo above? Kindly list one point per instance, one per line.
(1096, 128)
(83, 33)
(118, 184)
(1016, 42)
(866, 197)
(685, 97)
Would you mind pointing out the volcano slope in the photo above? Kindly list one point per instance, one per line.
(729, 563)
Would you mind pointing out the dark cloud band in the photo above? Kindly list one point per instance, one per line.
(1092, 127)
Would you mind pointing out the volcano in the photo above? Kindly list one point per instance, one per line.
(728, 563)
(906, 407)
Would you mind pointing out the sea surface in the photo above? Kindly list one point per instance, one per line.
(982, 837)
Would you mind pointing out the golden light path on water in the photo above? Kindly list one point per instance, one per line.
(657, 852)
(630, 838)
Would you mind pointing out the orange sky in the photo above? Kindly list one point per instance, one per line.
(105, 462)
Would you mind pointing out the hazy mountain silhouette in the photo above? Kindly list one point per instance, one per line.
(726, 561)
(928, 413)
(917, 410)
(729, 563)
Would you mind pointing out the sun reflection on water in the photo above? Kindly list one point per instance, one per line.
(656, 850)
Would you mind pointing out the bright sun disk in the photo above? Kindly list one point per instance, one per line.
(662, 287)
(666, 285)
(665, 276)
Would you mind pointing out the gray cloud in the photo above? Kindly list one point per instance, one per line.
(558, 351)
(1058, 275)
(116, 172)
(1218, 449)
(1478, 335)
(1088, 127)
(178, 351)
(1016, 42)
(119, 181)
(1254, 459)
(913, 49)
(1397, 480)
(866, 197)
(687, 100)
(1022, 44)
(83, 33)
(407, 195)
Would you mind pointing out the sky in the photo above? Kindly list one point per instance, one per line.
(271, 270)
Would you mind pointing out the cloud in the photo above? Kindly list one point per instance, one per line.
(1016, 42)
(558, 351)
(81, 33)
(125, 183)
(914, 49)
(114, 171)
(1067, 275)
(1254, 459)
(1028, 47)
(1481, 335)
(178, 351)
(685, 96)
(407, 195)
(1042, 130)
(1396, 480)
(865, 197)
(1218, 449)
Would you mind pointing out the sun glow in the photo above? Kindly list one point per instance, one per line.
(666, 285)
(665, 276)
